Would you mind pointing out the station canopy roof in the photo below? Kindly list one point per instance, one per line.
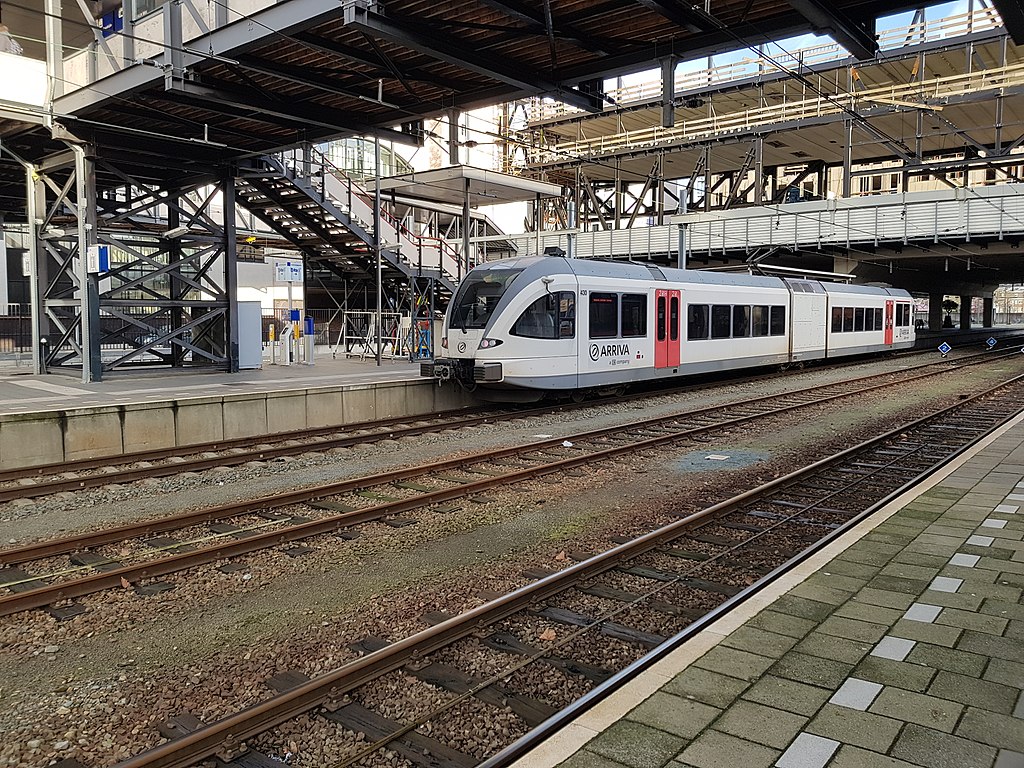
(311, 70)
(450, 185)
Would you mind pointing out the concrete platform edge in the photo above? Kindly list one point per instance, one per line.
(48, 437)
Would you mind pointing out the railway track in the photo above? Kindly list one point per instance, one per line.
(648, 594)
(52, 573)
(45, 480)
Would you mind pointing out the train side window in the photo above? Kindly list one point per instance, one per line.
(740, 321)
(539, 320)
(673, 319)
(696, 321)
(604, 315)
(858, 319)
(878, 319)
(837, 319)
(634, 315)
(847, 319)
(759, 321)
(566, 315)
(902, 314)
(721, 321)
(661, 318)
(777, 321)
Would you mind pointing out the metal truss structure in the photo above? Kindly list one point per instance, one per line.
(167, 295)
(160, 116)
(779, 128)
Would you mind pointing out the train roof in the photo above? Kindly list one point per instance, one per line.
(864, 289)
(541, 266)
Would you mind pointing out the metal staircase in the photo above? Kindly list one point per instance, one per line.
(311, 203)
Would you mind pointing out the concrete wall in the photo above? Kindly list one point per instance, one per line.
(29, 439)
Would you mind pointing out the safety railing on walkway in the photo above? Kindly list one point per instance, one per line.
(417, 251)
(727, 123)
(979, 20)
(951, 216)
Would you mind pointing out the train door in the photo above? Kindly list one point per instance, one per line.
(888, 322)
(666, 328)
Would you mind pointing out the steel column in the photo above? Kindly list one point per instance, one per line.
(231, 270)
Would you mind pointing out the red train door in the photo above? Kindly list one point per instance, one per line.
(666, 328)
(888, 322)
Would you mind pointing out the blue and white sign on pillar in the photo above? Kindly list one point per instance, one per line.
(98, 258)
(289, 272)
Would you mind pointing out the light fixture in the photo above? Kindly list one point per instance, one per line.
(176, 232)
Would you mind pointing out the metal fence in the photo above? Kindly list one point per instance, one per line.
(353, 334)
(16, 329)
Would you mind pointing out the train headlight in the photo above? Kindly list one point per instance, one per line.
(444, 342)
(489, 343)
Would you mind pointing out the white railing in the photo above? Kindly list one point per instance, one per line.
(430, 253)
(980, 20)
(906, 95)
(946, 215)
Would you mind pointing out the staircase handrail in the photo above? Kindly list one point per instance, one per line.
(358, 190)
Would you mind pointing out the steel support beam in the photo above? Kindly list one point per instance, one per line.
(858, 38)
(453, 51)
(668, 86)
(682, 14)
(227, 184)
(1012, 13)
(536, 22)
(229, 102)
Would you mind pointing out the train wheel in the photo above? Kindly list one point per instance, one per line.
(578, 396)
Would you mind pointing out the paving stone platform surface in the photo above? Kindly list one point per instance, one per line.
(907, 649)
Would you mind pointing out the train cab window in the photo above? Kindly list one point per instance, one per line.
(478, 296)
(673, 319)
(847, 319)
(878, 319)
(740, 321)
(539, 320)
(903, 314)
(777, 321)
(697, 322)
(759, 321)
(721, 321)
(858, 319)
(837, 319)
(566, 315)
(661, 318)
(604, 315)
(634, 315)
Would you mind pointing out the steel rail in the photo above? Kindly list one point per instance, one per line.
(225, 738)
(51, 593)
(379, 430)
(25, 553)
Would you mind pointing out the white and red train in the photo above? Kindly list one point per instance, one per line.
(521, 328)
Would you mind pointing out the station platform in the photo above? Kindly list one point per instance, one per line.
(21, 391)
(900, 645)
(57, 418)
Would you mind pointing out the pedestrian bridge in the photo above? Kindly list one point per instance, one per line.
(965, 220)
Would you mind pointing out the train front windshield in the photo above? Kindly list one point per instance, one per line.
(478, 296)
